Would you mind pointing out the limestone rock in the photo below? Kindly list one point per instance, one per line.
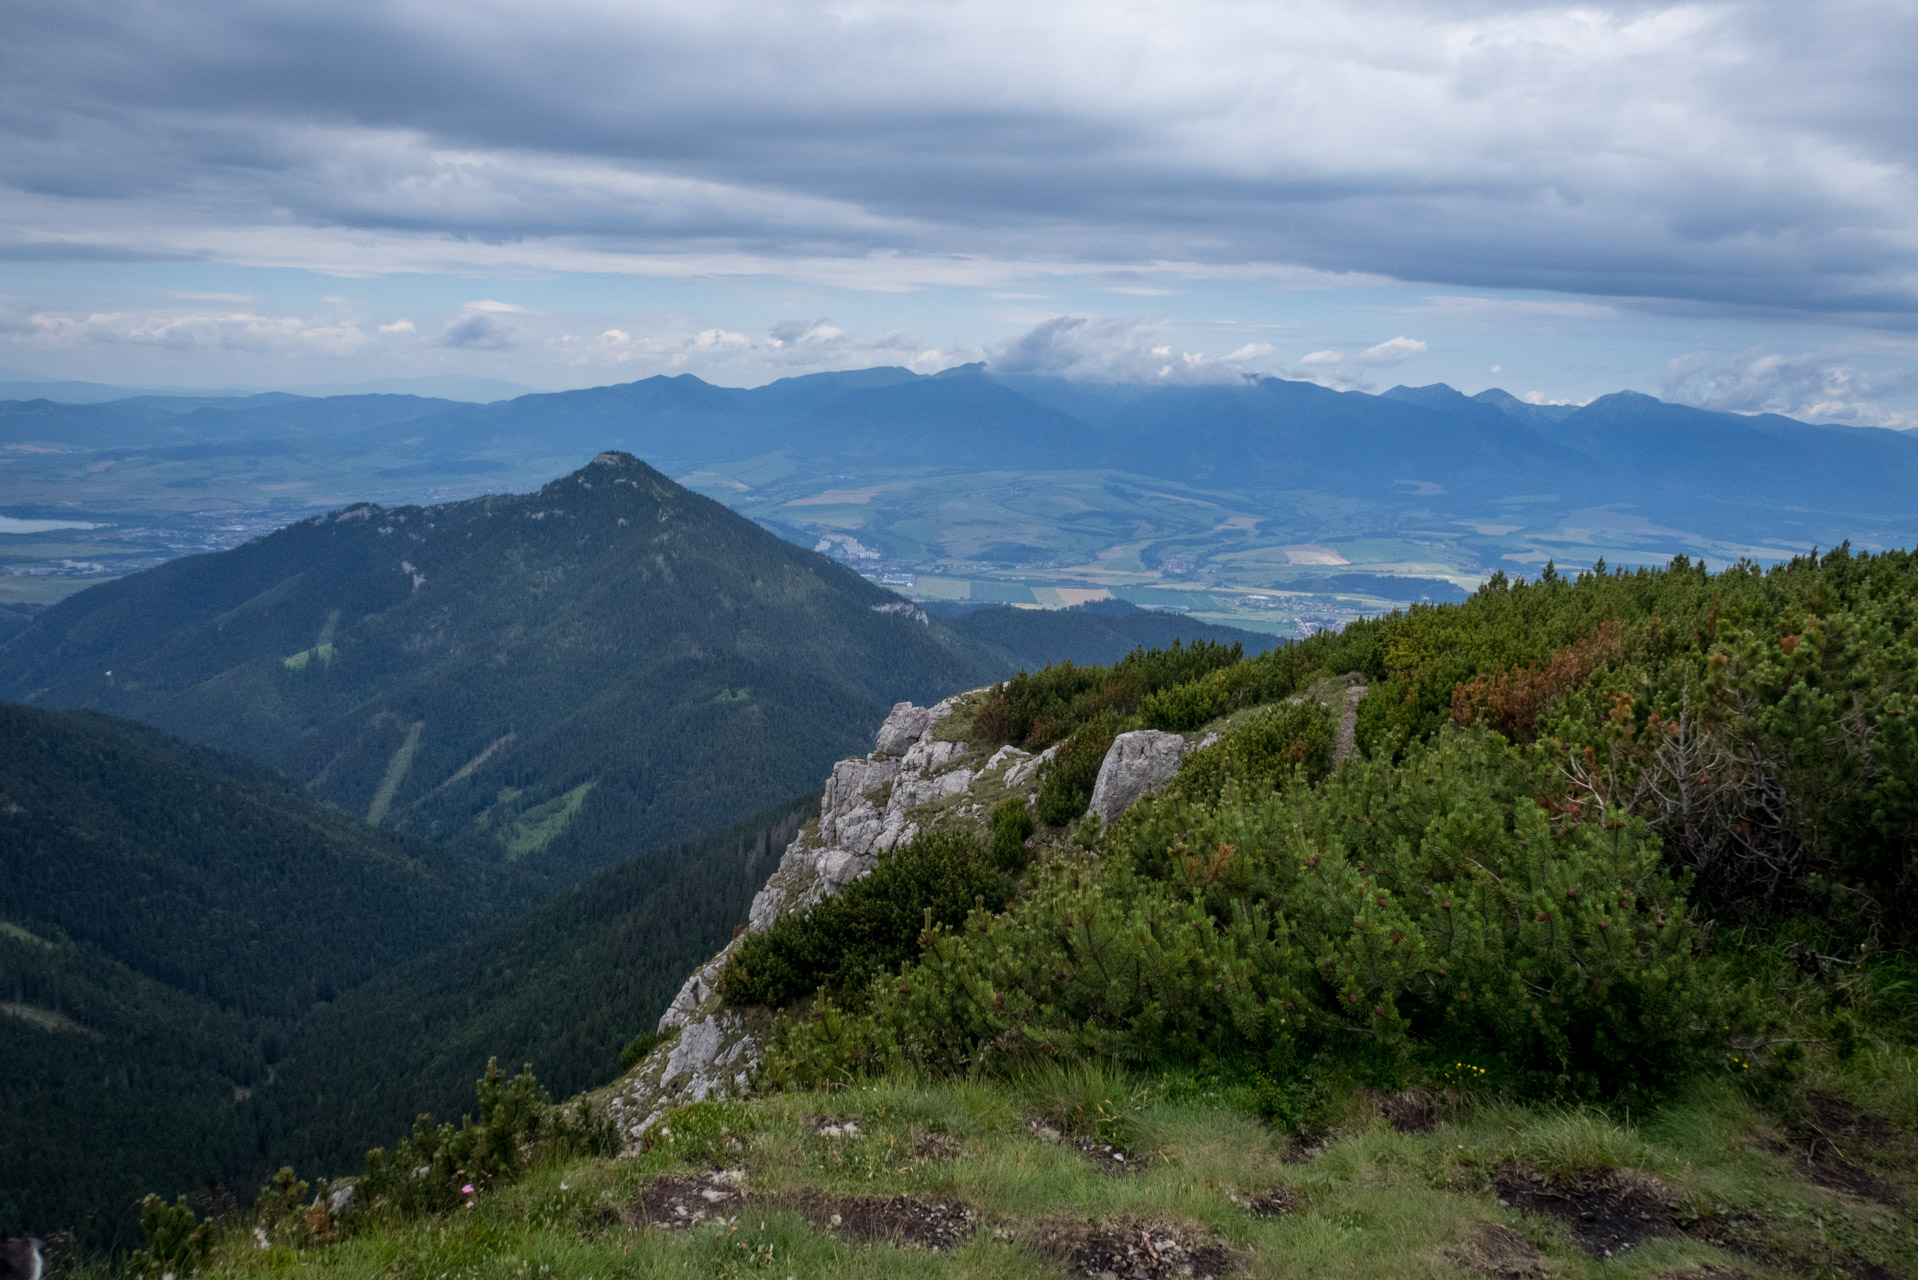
(1138, 763)
(902, 729)
(1019, 774)
(867, 808)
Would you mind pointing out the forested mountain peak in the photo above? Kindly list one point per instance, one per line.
(562, 677)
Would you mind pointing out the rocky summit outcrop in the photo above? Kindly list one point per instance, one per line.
(921, 771)
(870, 805)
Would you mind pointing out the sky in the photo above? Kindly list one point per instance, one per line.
(1714, 203)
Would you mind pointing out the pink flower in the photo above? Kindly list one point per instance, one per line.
(467, 1190)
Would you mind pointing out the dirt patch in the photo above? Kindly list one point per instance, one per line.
(836, 1126)
(935, 1146)
(676, 1203)
(1608, 1212)
(1128, 1249)
(1103, 1156)
(1837, 1140)
(1496, 1250)
(1269, 1203)
(937, 1225)
(1408, 1110)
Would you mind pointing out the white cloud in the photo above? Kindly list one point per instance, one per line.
(1392, 352)
(1104, 349)
(479, 331)
(1814, 386)
(398, 326)
(1317, 358)
(239, 331)
(486, 306)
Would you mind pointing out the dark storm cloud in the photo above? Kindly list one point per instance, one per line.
(1756, 155)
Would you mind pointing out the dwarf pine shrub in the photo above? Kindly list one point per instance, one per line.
(840, 943)
(439, 1167)
(1430, 906)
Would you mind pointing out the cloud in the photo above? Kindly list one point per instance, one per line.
(1109, 349)
(737, 357)
(183, 331)
(1755, 157)
(1815, 386)
(815, 333)
(479, 331)
(1392, 352)
(487, 306)
(398, 326)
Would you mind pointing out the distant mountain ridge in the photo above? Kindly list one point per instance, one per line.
(1431, 442)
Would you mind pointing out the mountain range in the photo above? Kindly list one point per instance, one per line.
(1279, 505)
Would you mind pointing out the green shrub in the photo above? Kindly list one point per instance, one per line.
(1035, 710)
(1433, 906)
(840, 943)
(517, 1124)
(1012, 825)
(1065, 787)
(1294, 740)
(177, 1241)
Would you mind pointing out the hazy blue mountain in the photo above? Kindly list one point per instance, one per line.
(1523, 410)
(562, 678)
(1089, 634)
(1298, 436)
(960, 419)
(1761, 459)
(441, 386)
(199, 421)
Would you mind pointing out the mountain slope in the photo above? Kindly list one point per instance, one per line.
(166, 913)
(564, 678)
(563, 987)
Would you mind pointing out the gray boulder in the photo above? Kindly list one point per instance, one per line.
(902, 729)
(1138, 763)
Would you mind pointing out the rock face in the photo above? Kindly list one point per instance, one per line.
(1137, 764)
(867, 808)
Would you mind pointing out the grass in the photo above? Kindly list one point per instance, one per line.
(1365, 1200)
(542, 824)
(395, 773)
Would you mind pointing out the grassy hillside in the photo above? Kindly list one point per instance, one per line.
(562, 679)
(166, 913)
(1092, 1173)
